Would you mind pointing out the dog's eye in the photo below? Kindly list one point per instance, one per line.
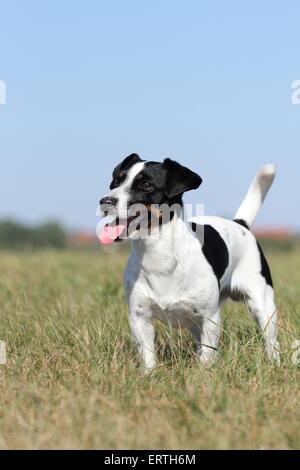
(146, 185)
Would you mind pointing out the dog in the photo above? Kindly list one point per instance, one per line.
(179, 278)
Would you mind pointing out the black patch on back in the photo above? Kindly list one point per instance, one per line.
(215, 250)
(265, 269)
(241, 222)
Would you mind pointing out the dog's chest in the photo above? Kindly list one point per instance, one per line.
(172, 283)
(175, 299)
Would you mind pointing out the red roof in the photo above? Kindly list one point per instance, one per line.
(275, 233)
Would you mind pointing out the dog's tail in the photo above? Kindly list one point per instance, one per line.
(255, 197)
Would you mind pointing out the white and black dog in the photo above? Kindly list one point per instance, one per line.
(179, 278)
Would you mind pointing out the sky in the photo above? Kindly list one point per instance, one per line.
(90, 81)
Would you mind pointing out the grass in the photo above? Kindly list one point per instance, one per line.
(72, 378)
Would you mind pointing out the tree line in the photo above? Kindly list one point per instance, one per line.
(15, 235)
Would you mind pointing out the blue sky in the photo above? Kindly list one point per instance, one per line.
(88, 82)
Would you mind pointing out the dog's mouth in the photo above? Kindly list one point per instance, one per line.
(115, 231)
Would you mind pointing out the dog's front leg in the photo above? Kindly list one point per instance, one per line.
(143, 333)
(207, 334)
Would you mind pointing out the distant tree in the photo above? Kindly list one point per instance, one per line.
(50, 234)
(14, 235)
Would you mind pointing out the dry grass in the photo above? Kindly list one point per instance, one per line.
(72, 379)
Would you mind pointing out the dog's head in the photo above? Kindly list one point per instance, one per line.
(138, 184)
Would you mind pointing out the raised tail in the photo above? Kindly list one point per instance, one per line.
(255, 197)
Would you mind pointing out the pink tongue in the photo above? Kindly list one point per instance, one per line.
(110, 233)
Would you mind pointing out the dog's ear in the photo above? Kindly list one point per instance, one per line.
(179, 179)
(126, 164)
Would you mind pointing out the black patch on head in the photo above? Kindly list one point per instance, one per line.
(179, 179)
(265, 269)
(120, 172)
(163, 183)
(241, 222)
(148, 187)
(215, 250)
(157, 183)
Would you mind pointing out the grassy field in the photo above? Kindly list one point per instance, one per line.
(72, 378)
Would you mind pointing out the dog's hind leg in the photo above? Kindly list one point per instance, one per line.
(261, 303)
(207, 333)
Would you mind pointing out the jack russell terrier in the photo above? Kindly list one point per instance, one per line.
(181, 272)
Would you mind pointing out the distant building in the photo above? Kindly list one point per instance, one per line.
(274, 233)
(82, 239)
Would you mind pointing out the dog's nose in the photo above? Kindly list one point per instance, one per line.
(108, 201)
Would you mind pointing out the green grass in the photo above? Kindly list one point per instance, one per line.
(72, 378)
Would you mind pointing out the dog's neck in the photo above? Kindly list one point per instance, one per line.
(159, 248)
